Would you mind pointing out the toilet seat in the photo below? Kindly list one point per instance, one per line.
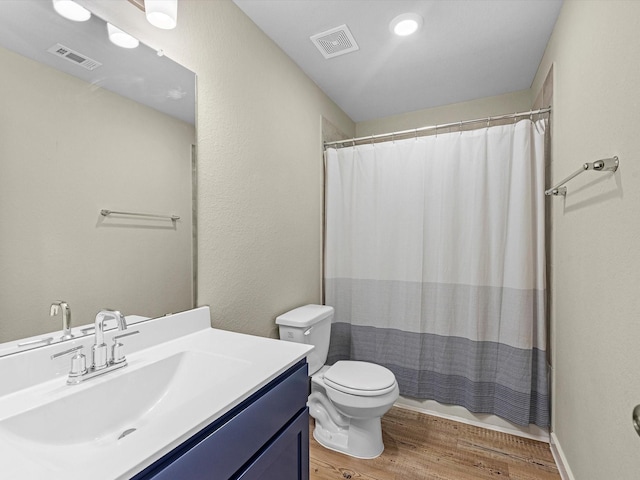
(360, 378)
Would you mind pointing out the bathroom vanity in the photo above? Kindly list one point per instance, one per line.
(267, 436)
(193, 403)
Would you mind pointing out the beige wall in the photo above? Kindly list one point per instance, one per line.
(596, 236)
(483, 107)
(68, 150)
(260, 162)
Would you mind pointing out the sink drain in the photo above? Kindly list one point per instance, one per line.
(127, 432)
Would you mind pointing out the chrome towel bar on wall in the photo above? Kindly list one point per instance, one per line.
(603, 165)
(106, 213)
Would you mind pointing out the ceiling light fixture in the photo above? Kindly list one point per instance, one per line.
(162, 13)
(406, 24)
(71, 10)
(120, 38)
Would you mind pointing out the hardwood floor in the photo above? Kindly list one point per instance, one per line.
(422, 447)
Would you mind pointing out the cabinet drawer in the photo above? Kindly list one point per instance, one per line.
(222, 448)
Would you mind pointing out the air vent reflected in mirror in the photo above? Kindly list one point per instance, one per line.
(60, 50)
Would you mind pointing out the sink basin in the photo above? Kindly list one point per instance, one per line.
(182, 376)
(110, 409)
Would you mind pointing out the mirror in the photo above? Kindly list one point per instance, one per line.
(88, 126)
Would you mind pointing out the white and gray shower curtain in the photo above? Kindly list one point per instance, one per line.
(435, 264)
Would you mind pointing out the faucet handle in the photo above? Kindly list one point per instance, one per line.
(78, 361)
(117, 351)
(67, 352)
(122, 335)
(46, 341)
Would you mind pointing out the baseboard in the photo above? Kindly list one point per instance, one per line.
(560, 459)
(542, 437)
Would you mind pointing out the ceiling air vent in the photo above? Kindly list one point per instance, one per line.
(73, 56)
(334, 42)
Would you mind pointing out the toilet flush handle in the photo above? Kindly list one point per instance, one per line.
(308, 331)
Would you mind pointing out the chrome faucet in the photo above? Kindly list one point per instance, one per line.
(66, 317)
(101, 361)
(99, 351)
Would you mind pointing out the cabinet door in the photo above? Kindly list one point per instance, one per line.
(286, 457)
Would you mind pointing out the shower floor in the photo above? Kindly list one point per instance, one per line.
(423, 447)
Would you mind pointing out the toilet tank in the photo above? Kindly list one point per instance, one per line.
(310, 324)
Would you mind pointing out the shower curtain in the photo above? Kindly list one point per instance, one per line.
(435, 265)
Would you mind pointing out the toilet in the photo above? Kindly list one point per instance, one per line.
(348, 398)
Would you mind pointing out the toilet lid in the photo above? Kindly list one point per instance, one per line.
(360, 378)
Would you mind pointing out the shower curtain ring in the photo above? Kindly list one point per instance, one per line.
(416, 132)
(460, 127)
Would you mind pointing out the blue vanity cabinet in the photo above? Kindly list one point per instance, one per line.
(266, 437)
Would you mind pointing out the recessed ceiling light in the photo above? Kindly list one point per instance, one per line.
(120, 38)
(406, 24)
(71, 10)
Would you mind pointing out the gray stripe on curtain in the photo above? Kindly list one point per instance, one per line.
(482, 376)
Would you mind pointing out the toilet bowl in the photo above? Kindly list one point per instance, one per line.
(349, 422)
(348, 398)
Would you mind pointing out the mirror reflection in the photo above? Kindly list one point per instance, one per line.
(88, 126)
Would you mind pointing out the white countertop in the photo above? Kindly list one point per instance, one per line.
(255, 362)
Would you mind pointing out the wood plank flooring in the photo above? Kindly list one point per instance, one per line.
(423, 447)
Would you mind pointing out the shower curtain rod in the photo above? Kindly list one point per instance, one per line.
(390, 136)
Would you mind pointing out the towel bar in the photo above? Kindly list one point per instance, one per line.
(603, 165)
(106, 213)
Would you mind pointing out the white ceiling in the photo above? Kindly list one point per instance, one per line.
(466, 49)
